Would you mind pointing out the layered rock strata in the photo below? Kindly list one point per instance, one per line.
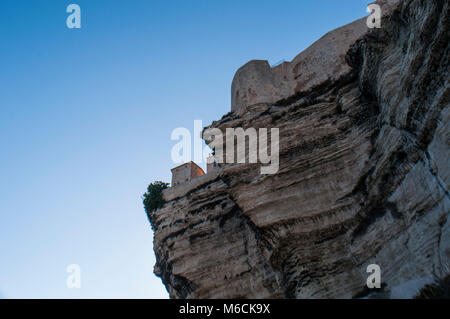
(364, 179)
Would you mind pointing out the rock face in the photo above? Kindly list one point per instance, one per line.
(364, 177)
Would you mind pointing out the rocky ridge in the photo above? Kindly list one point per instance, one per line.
(364, 178)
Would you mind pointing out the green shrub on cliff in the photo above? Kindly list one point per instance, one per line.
(153, 198)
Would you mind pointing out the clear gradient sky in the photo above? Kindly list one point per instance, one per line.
(86, 117)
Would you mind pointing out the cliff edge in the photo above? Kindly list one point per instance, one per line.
(364, 174)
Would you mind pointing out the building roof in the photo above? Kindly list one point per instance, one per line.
(186, 164)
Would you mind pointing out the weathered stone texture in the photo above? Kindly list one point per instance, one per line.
(364, 178)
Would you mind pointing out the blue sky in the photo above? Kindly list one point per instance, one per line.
(86, 117)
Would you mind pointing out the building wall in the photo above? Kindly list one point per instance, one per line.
(211, 167)
(258, 83)
(181, 174)
(185, 173)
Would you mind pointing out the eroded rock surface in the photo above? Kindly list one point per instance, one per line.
(364, 178)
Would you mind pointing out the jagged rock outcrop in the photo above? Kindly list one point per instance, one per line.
(364, 178)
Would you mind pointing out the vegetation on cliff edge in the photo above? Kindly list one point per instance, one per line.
(153, 198)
